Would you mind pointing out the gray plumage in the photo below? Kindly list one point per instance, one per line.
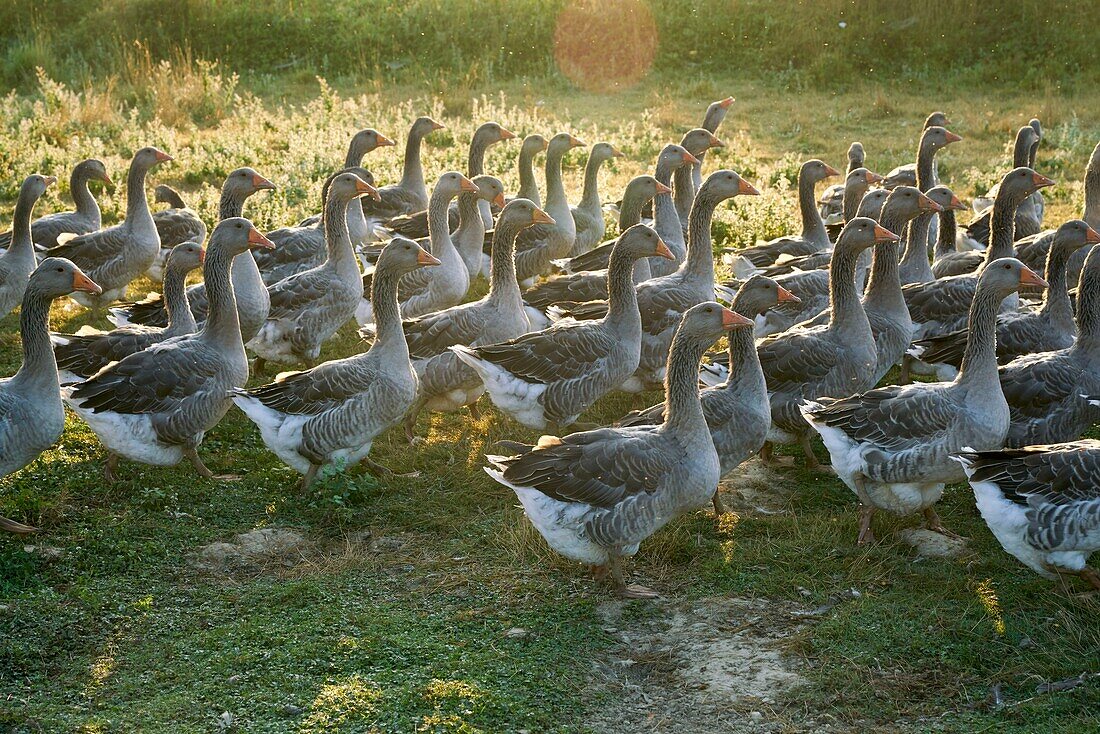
(18, 261)
(410, 193)
(177, 224)
(906, 174)
(588, 213)
(832, 199)
(915, 266)
(86, 218)
(1027, 219)
(525, 165)
(537, 246)
(697, 142)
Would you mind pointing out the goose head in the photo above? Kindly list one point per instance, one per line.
(148, 157)
(347, 185)
(643, 241)
(699, 141)
(246, 181)
(34, 186)
(705, 322)
(675, 156)
(816, 170)
(1020, 183)
(759, 293)
(645, 187)
(861, 233)
(716, 113)
(907, 202)
(403, 255)
(604, 152)
(56, 277)
(1073, 235)
(726, 184)
(945, 197)
(938, 119)
(522, 213)
(490, 189)
(490, 133)
(561, 143)
(872, 202)
(856, 155)
(453, 183)
(937, 137)
(365, 141)
(186, 257)
(93, 168)
(532, 145)
(424, 125)
(236, 235)
(1007, 275)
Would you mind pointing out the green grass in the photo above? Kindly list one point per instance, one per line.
(124, 632)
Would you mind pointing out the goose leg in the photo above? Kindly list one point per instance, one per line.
(719, 505)
(308, 477)
(11, 526)
(192, 455)
(475, 412)
(110, 467)
(933, 522)
(628, 591)
(806, 442)
(258, 365)
(906, 362)
(866, 512)
(410, 424)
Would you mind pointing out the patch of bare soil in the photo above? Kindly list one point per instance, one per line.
(753, 488)
(712, 665)
(930, 544)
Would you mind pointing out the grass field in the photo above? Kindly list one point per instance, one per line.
(428, 603)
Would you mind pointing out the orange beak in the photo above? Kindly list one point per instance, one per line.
(662, 189)
(498, 200)
(84, 284)
(506, 134)
(1030, 277)
(616, 153)
(744, 188)
(662, 250)
(576, 142)
(383, 140)
(956, 204)
(830, 171)
(541, 217)
(785, 296)
(257, 240)
(50, 180)
(873, 178)
(426, 258)
(952, 137)
(202, 255)
(362, 188)
(725, 103)
(884, 235)
(162, 157)
(107, 180)
(927, 205)
(1092, 237)
(261, 183)
(1041, 180)
(438, 125)
(689, 158)
(466, 184)
(731, 320)
(716, 143)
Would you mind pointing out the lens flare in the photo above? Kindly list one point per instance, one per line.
(605, 46)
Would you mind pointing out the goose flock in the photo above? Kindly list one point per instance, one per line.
(880, 282)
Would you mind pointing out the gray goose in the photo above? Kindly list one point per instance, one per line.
(469, 237)
(114, 256)
(665, 218)
(176, 224)
(932, 140)
(914, 266)
(892, 446)
(595, 496)
(31, 414)
(1042, 503)
(1025, 332)
(302, 246)
(548, 378)
(591, 285)
(155, 406)
(838, 358)
(17, 263)
(588, 214)
(415, 226)
(975, 236)
(712, 120)
(446, 382)
(540, 244)
(332, 413)
(409, 194)
(942, 305)
(832, 199)
(1044, 391)
(906, 175)
(426, 290)
(697, 142)
(81, 355)
(307, 308)
(46, 230)
(249, 289)
(814, 238)
(528, 185)
(1033, 250)
(737, 410)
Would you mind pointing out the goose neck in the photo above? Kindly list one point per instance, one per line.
(979, 362)
(926, 164)
(813, 227)
(622, 298)
(439, 222)
(844, 304)
(39, 366)
(684, 411)
(915, 257)
(630, 213)
(175, 299)
(700, 256)
(82, 196)
(137, 206)
(503, 286)
(231, 203)
(1056, 303)
(528, 185)
(387, 312)
(1002, 228)
(222, 323)
(1092, 190)
(22, 244)
(590, 196)
(945, 244)
(412, 171)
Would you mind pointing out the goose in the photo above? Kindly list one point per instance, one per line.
(814, 238)
(832, 199)
(1026, 332)
(308, 308)
(588, 214)
(31, 414)
(409, 194)
(540, 244)
(665, 218)
(595, 496)
(415, 226)
(1042, 504)
(81, 355)
(914, 266)
(837, 358)
(1033, 250)
(46, 230)
(548, 378)
(469, 237)
(945, 248)
(446, 383)
(632, 211)
(426, 290)
(737, 410)
(17, 263)
(906, 174)
(942, 305)
(249, 289)
(1044, 390)
(178, 223)
(697, 142)
(331, 413)
(528, 186)
(712, 120)
(591, 285)
(302, 246)
(975, 235)
(892, 446)
(155, 406)
(933, 139)
(114, 256)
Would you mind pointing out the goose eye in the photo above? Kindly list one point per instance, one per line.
(61, 270)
